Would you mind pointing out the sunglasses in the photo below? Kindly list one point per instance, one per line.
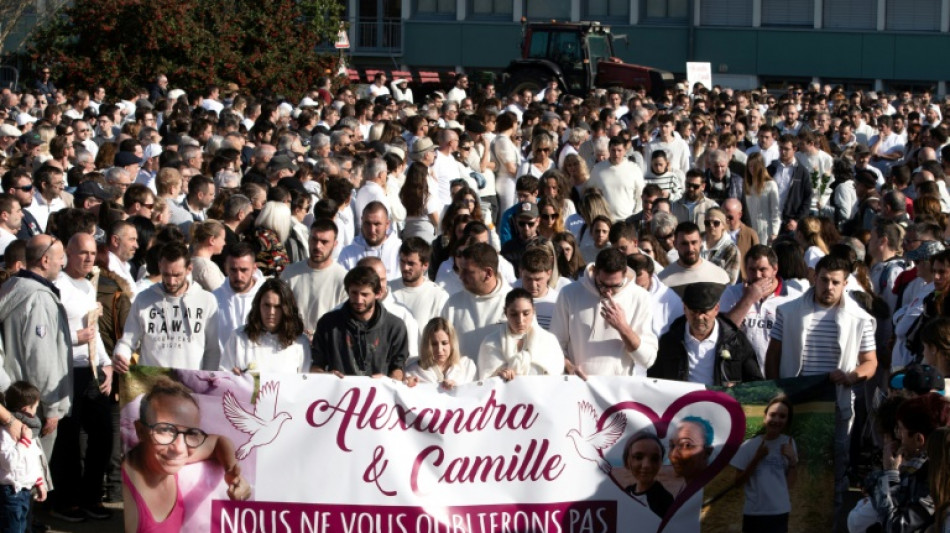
(544, 150)
(527, 223)
(694, 186)
(665, 237)
(546, 216)
(466, 148)
(713, 223)
(24, 188)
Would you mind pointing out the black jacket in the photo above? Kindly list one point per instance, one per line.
(357, 348)
(798, 203)
(672, 361)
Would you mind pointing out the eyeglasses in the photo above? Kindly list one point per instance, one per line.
(24, 188)
(165, 434)
(693, 186)
(612, 288)
(713, 223)
(544, 150)
(148, 206)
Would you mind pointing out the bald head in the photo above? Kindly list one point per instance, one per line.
(80, 255)
(926, 154)
(44, 256)
(377, 265)
(733, 210)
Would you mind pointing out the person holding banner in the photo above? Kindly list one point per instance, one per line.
(520, 347)
(150, 470)
(272, 340)
(361, 338)
(765, 464)
(439, 359)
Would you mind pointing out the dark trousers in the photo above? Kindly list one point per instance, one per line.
(83, 445)
(14, 509)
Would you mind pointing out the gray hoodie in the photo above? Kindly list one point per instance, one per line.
(36, 343)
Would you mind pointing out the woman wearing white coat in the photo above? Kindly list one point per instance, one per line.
(520, 347)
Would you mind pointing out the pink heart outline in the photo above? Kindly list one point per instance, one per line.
(661, 425)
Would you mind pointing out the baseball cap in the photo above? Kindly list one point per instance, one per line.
(528, 210)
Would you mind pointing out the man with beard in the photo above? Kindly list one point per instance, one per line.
(826, 332)
(414, 289)
(172, 324)
(374, 241)
(361, 338)
(235, 297)
(692, 206)
(317, 282)
(689, 266)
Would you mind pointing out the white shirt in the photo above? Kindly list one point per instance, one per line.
(702, 355)
(783, 178)
(233, 308)
(121, 268)
(759, 319)
(79, 298)
(5, 239)
(41, 209)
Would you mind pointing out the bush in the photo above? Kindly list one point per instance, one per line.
(124, 44)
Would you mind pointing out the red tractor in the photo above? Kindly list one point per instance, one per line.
(579, 56)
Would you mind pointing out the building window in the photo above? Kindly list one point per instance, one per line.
(548, 9)
(788, 12)
(913, 15)
(666, 10)
(606, 10)
(850, 15)
(436, 8)
(491, 8)
(726, 13)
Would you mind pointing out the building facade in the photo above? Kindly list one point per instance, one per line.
(869, 44)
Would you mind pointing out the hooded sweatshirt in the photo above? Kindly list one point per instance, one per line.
(36, 341)
(171, 331)
(388, 252)
(594, 345)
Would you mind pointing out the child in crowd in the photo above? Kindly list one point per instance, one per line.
(22, 463)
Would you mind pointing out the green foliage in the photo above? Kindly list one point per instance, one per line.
(124, 44)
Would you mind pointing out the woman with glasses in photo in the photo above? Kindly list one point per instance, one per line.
(170, 437)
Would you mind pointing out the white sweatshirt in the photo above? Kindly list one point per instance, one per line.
(425, 301)
(233, 308)
(173, 332)
(473, 316)
(316, 291)
(592, 344)
(79, 297)
(265, 355)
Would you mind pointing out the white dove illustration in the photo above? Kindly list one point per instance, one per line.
(589, 442)
(263, 424)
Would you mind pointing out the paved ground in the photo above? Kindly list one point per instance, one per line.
(113, 525)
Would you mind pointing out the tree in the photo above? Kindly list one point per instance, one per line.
(124, 44)
(13, 11)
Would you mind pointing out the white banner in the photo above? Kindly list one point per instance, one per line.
(698, 71)
(537, 454)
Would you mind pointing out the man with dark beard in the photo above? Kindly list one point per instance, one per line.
(690, 267)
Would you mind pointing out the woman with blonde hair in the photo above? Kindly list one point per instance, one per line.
(761, 199)
(551, 221)
(207, 239)
(542, 147)
(577, 175)
(439, 358)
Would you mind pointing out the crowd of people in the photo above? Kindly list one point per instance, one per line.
(715, 236)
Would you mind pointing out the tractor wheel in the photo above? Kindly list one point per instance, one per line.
(530, 78)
